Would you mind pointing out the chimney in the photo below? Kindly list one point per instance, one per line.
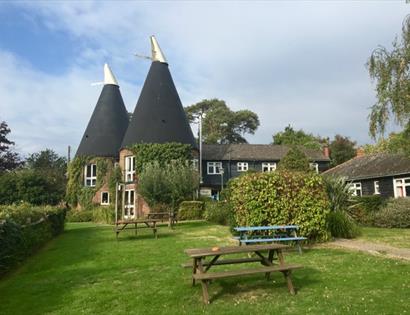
(360, 152)
(326, 151)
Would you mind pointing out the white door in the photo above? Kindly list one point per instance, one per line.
(129, 212)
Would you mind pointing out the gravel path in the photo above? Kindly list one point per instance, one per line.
(372, 248)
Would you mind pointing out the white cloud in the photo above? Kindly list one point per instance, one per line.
(291, 62)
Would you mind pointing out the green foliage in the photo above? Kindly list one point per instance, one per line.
(77, 193)
(338, 193)
(84, 215)
(104, 215)
(398, 143)
(28, 186)
(9, 160)
(291, 137)
(167, 184)
(191, 210)
(24, 228)
(220, 124)
(281, 198)
(219, 212)
(341, 225)
(364, 208)
(294, 160)
(391, 71)
(396, 214)
(342, 149)
(162, 153)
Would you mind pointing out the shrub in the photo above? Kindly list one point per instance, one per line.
(364, 208)
(191, 210)
(341, 225)
(219, 212)
(338, 193)
(395, 214)
(80, 216)
(104, 215)
(281, 198)
(294, 160)
(25, 228)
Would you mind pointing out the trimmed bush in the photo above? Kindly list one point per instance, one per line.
(281, 198)
(219, 212)
(341, 225)
(191, 210)
(396, 214)
(23, 229)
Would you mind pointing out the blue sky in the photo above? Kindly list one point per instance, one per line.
(300, 62)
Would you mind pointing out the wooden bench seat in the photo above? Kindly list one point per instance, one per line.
(275, 239)
(242, 272)
(226, 262)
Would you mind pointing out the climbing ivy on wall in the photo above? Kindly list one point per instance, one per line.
(77, 193)
(162, 153)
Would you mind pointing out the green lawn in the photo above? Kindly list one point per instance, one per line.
(86, 271)
(393, 237)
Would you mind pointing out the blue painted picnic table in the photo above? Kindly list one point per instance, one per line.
(269, 234)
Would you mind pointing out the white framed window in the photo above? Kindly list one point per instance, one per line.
(401, 187)
(129, 207)
(90, 175)
(268, 167)
(105, 198)
(195, 164)
(314, 167)
(214, 168)
(376, 187)
(242, 166)
(129, 168)
(356, 189)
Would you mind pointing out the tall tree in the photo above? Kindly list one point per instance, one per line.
(9, 159)
(395, 143)
(298, 137)
(220, 124)
(295, 160)
(341, 150)
(391, 71)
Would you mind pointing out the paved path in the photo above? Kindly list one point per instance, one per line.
(372, 248)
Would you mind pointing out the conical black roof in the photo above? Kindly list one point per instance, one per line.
(107, 125)
(159, 116)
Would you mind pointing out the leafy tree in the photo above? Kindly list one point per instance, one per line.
(220, 124)
(394, 143)
(298, 137)
(342, 149)
(391, 71)
(169, 184)
(295, 160)
(9, 160)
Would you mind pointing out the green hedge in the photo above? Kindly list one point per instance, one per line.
(281, 198)
(25, 228)
(191, 210)
(98, 215)
(219, 212)
(395, 214)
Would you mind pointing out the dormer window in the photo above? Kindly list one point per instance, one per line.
(90, 175)
(129, 168)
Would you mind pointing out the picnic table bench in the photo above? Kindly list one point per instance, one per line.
(201, 266)
(121, 225)
(162, 216)
(269, 234)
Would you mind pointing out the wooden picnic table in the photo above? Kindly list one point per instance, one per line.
(206, 258)
(121, 225)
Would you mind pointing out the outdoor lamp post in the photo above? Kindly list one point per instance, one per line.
(221, 171)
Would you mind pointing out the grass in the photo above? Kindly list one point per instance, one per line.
(86, 271)
(393, 237)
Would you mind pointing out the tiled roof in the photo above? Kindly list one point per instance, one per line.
(254, 152)
(372, 166)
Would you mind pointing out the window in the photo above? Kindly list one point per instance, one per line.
(268, 167)
(194, 164)
(214, 168)
(90, 175)
(376, 187)
(314, 167)
(402, 187)
(356, 189)
(242, 166)
(129, 168)
(129, 204)
(105, 198)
